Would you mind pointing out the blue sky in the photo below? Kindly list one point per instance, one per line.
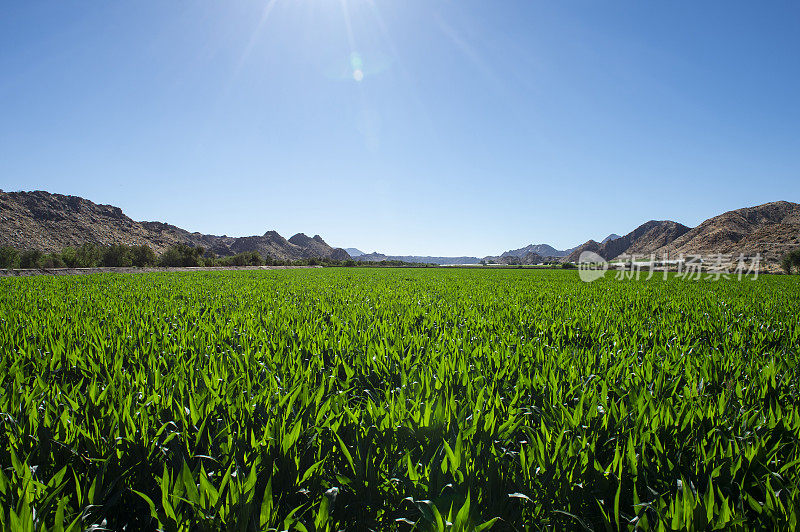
(404, 126)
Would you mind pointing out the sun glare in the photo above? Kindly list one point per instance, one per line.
(357, 65)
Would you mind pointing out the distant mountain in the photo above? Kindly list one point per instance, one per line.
(50, 222)
(645, 239)
(316, 247)
(543, 250)
(589, 245)
(770, 230)
(526, 259)
(379, 257)
(353, 252)
(371, 257)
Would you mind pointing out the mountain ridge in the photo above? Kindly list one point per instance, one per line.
(49, 222)
(643, 240)
(543, 250)
(612, 236)
(420, 259)
(769, 230)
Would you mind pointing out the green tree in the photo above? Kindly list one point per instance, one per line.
(211, 259)
(794, 256)
(791, 260)
(117, 256)
(182, 255)
(69, 256)
(31, 258)
(248, 258)
(8, 257)
(52, 260)
(143, 256)
(88, 255)
(786, 264)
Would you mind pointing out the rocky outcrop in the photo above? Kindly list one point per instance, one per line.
(51, 222)
(543, 250)
(643, 240)
(590, 245)
(770, 230)
(528, 258)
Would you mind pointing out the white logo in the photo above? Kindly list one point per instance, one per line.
(591, 266)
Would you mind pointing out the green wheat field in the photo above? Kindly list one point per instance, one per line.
(398, 399)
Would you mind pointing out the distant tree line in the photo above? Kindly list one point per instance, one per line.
(178, 255)
(388, 264)
(791, 261)
(85, 256)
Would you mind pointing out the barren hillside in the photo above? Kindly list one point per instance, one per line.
(770, 229)
(50, 222)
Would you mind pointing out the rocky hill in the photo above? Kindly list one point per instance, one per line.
(589, 245)
(538, 253)
(770, 229)
(526, 259)
(50, 222)
(643, 240)
(543, 250)
(612, 236)
(316, 247)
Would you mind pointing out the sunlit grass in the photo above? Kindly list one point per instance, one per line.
(388, 399)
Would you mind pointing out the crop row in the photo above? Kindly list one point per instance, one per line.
(398, 399)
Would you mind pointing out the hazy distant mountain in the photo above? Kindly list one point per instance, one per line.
(543, 250)
(379, 257)
(526, 259)
(50, 222)
(353, 252)
(546, 250)
(372, 257)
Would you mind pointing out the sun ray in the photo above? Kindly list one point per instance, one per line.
(471, 54)
(254, 36)
(350, 38)
(229, 83)
(356, 64)
(405, 73)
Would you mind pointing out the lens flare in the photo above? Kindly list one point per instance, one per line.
(357, 64)
(355, 61)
